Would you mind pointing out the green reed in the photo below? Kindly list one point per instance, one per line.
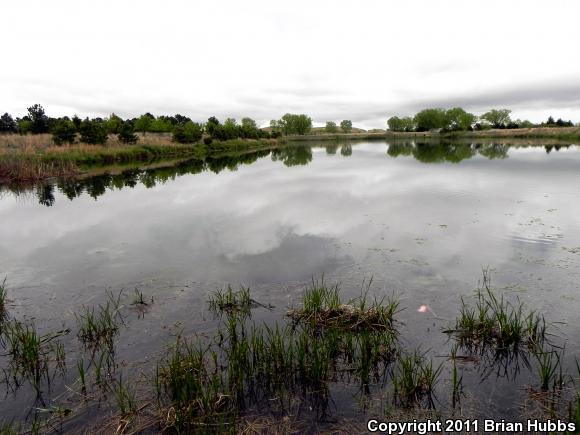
(494, 321)
(99, 327)
(414, 380)
(3, 300)
(549, 368)
(30, 352)
(230, 300)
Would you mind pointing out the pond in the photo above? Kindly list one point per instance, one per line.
(414, 221)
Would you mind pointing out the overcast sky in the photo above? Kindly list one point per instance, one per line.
(361, 60)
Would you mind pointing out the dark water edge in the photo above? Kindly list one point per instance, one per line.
(158, 265)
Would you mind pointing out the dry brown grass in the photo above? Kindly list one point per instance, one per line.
(35, 143)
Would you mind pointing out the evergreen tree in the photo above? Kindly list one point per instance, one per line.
(7, 124)
(127, 133)
(93, 132)
(64, 131)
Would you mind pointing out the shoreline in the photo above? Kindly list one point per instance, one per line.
(556, 133)
(22, 165)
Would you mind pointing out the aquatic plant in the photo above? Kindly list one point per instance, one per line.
(82, 374)
(10, 428)
(549, 368)
(190, 378)
(29, 351)
(229, 300)
(414, 380)
(138, 298)
(3, 300)
(125, 397)
(322, 307)
(99, 327)
(497, 322)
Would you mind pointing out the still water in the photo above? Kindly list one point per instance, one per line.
(421, 221)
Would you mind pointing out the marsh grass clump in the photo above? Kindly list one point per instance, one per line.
(209, 384)
(30, 352)
(549, 369)
(138, 298)
(10, 428)
(414, 380)
(191, 380)
(125, 397)
(322, 307)
(229, 300)
(493, 321)
(99, 327)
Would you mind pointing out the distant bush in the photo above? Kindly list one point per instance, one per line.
(207, 140)
(331, 127)
(93, 132)
(189, 132)
(127, 133)
(7, 124)
(64, 131)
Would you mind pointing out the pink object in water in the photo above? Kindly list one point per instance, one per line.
(424, 309)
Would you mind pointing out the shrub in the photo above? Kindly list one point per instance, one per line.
(93, 132)
(127, 133)
(187, 133)
(207, 140)
(64, 131)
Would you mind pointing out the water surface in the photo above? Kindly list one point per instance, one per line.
(420, 220)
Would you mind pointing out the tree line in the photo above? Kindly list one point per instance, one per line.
(183, 130)
(457, 119)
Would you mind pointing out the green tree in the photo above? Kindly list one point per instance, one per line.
(24, 125)
(211, 125)
(39, 120)
(346, 125)
(114, 124)
(249, 128)
(459, 120)
(430, 119)
(143, 123)
(498, 118)
(275, 126)
(64, 131)
(7, 124)
(295, 124)
(331, 127)
(77, 122)
(189, 132)
(161, 125)
(395, 124)
(93, 132)
(127, 133)
(401, 124)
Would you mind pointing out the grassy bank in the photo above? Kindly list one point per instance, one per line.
(33, 158)
(556, 133)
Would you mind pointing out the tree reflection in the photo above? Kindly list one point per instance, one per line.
(293, 155)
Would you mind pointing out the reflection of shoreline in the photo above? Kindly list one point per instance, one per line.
(113, 177)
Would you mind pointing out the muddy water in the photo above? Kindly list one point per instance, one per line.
(421, 221)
